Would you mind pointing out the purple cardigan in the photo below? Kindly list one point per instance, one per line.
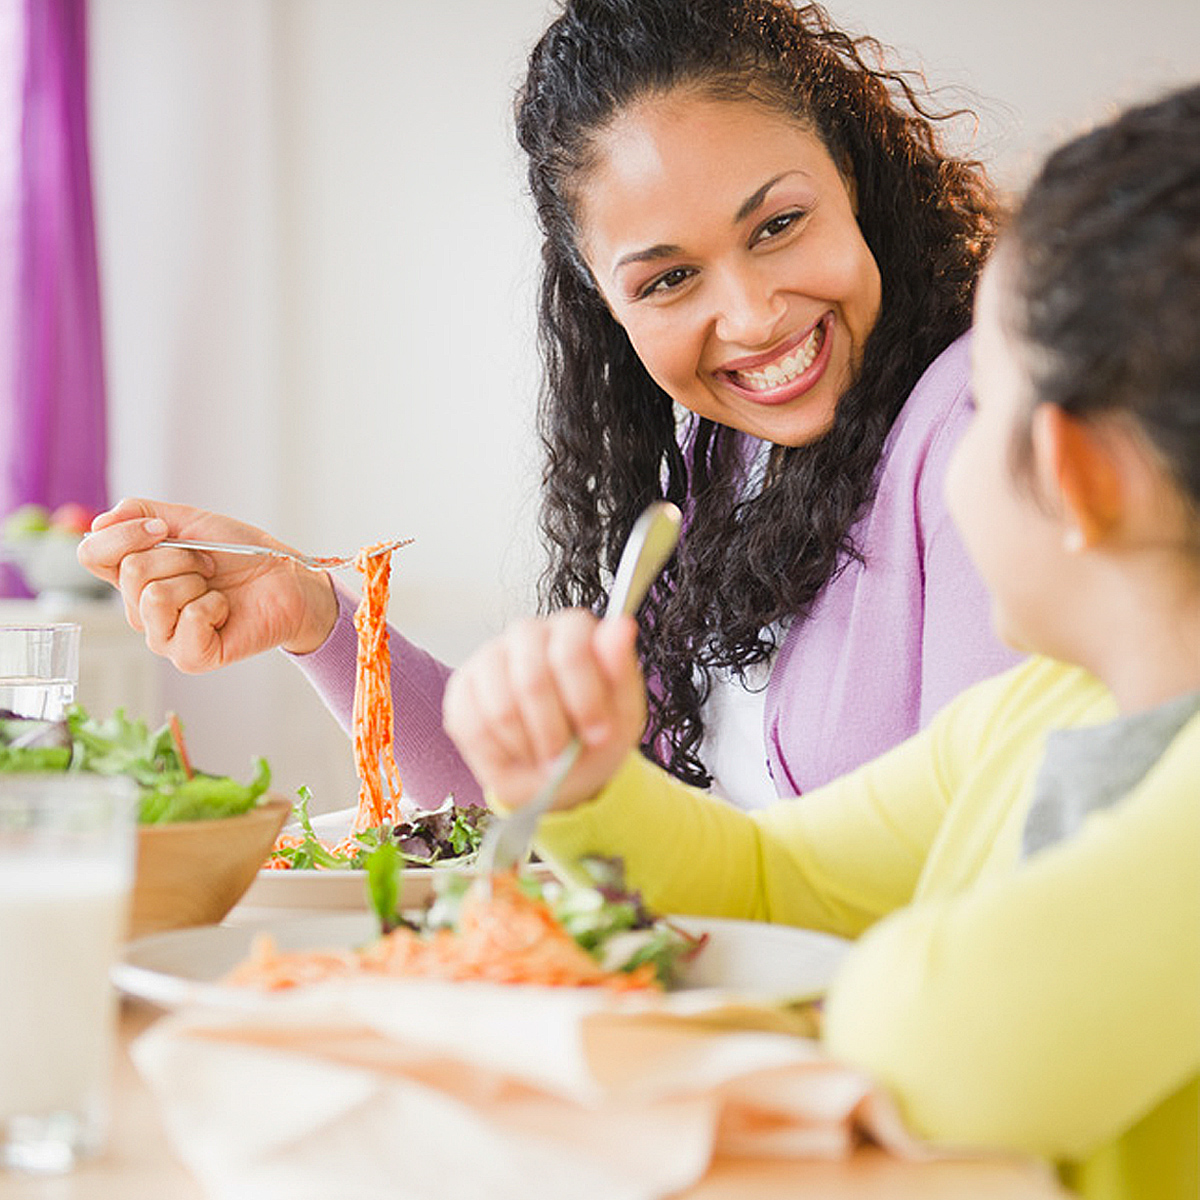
(893, 637)
(888, 642)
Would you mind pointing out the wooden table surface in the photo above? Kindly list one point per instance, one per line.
(140, 1165)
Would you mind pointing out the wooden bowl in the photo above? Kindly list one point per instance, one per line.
(194, 872)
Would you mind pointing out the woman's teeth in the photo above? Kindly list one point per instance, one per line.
(777, 374)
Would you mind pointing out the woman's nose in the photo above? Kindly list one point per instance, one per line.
(747, 309)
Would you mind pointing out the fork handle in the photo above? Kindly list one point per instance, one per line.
(223, 548)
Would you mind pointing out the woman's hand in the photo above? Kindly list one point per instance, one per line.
(518, 701)
(202, 610)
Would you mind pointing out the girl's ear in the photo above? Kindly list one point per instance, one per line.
(1076, 462)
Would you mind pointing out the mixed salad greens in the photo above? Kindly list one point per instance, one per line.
(440, 835)
(603, 916)
(156, 760)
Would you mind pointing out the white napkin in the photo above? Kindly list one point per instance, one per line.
(436, 1091)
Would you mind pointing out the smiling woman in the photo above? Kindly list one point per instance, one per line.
(750, 224)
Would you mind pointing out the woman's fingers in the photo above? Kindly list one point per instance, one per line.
(160, 603)
(197, 644)
(203, 610)
(135, 525)
(140, 570)
(125, 510)
(104, 550)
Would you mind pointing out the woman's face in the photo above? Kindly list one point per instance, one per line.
(724, 240)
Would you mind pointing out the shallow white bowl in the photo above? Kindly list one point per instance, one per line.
(48, 563)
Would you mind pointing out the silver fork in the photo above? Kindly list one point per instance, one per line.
(506, 841)
(311, 561)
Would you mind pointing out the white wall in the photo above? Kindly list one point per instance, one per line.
(318, 268)
(1037, 71)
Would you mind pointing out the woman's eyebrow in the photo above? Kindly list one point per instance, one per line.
(755, 199)
(665, 250)
(662, 250)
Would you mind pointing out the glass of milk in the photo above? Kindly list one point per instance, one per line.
(39, 668)
(67, 844)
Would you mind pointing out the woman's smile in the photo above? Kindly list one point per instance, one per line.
(723, 238)
(786, 372)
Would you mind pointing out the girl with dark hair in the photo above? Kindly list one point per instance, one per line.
(1022, 876)
(758, 267)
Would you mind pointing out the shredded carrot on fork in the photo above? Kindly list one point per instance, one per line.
(374, 733)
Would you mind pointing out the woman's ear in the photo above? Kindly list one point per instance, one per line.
(1076, 461)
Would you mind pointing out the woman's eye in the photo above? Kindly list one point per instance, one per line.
(777, 225)
(668, 281)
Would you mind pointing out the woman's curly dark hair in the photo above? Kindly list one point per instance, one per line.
(610, 433)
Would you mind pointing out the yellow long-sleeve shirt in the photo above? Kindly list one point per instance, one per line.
(1049, 1005)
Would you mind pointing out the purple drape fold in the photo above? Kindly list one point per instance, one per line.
(57, 421)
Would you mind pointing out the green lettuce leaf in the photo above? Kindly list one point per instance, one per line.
(122, 746)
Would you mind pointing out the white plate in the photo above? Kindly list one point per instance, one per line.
(771, 962)
(332, 890)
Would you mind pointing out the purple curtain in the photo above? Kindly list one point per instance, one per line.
(56, 429)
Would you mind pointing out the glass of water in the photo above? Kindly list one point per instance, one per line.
(67, 852)
(39, 669)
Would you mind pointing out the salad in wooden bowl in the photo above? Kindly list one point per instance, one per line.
(201, 837)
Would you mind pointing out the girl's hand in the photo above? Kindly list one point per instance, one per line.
(520, 699)
(203, 610)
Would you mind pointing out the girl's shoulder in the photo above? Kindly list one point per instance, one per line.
(1027, 700)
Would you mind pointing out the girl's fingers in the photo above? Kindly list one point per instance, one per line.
(124, 510)
(583, 688)
(136, 525)
(489, 757)
(513, 706)
(490, 718)
(535, 687)
(615, 644)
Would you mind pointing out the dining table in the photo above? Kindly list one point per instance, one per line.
(139, 1163)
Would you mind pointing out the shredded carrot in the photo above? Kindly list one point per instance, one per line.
(280, 860)
(275, 861)
(177, 737)
(379, 779)
(508, 937)
(373, 717)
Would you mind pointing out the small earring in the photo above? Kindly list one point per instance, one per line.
(1073, 540)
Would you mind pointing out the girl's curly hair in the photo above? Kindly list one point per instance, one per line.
(610, 433)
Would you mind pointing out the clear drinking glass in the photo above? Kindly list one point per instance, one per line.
(39, 669)
(67, 849)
